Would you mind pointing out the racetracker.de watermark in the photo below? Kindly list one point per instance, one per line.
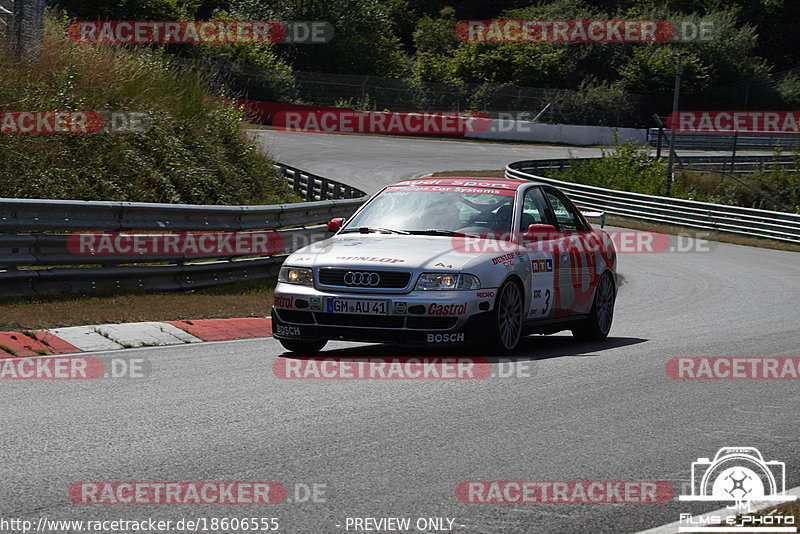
(200, 32)
(625, 242)
(733, 368)
(382, 122)
(400, 368)
(74, 122)
(182, 243)
(73, 368)
(177, 493)
(584, 31)
(734, 122)
(564, 492)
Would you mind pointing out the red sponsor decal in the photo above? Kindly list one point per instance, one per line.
(189, 244)
(381, 368)
(734, 121)
(381, 122)
(451, 189)
(564, 491)
(504, 258)
(171, 31)
(51, 368)
(50, 122)
(564, 31)
(283, 302)
(447, 309)
(485, 295)
(510, 185)
(149, 493)
(734, 368)
(369, 258)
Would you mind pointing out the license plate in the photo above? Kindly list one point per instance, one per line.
(358, 306)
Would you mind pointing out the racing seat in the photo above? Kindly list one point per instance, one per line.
(502, 219)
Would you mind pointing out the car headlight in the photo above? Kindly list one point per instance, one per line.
(447, 281)
(296, 275)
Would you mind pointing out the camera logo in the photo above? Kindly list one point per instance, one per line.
(739, 475)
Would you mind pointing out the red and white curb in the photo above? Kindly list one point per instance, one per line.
(93, 338)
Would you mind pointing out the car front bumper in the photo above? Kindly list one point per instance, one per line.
(419, 318)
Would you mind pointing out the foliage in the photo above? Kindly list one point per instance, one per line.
(628, 167)
(365, 39)
(193, 153)
(631, 168)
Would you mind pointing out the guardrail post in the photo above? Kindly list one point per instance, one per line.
(323, 189)
(309, 188)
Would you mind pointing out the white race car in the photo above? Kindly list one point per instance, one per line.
(448, 261)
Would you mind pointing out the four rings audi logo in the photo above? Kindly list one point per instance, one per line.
(362, 279)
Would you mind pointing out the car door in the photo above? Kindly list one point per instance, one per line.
(539, 255)
(574, 264)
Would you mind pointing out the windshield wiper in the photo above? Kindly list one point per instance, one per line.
(435, 231)
(370, 229)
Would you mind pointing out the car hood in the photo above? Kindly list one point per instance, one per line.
(385, 250)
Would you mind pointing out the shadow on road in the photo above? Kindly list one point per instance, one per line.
(530, 349)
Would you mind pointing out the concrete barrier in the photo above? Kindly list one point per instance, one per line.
(571, 134)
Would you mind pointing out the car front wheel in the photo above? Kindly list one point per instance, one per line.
(598, 324)
(507, 327)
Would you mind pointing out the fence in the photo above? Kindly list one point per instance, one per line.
(738, 165)
(706, 141)
(743, 221)
(22, 25)
(38, 258)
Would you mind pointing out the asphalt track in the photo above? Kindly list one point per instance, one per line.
(370, 162)
(387, 448)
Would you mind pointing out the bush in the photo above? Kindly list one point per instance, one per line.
(628, 167)
(195, 151)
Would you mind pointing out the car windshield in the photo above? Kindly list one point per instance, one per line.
(436, 210)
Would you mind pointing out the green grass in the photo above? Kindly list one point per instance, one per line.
(195, 152)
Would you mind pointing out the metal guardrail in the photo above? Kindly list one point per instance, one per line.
(36, 259)
(776, 225)
(313, 187)
(709, 141)
(699, 163)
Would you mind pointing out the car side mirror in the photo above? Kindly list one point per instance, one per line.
(539, 231)
(336, 224)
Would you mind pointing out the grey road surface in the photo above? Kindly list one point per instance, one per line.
(370, 162)
(392, 448)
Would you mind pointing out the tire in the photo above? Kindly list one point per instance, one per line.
(506, 326)
(303, 347)
(598, 324)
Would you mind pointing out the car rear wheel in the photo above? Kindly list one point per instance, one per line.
(507, 327)
(598, 324)
(303, 347)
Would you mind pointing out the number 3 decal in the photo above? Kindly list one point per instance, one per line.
(546, 302)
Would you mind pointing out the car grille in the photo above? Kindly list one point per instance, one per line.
(388, 279)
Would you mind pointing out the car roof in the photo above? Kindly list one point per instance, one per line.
(465, 181)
